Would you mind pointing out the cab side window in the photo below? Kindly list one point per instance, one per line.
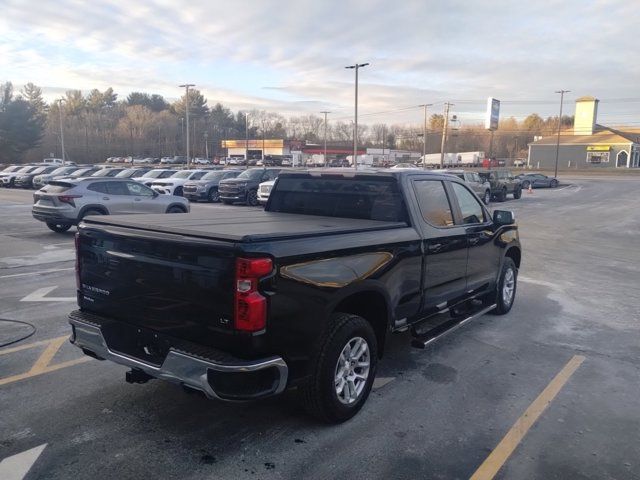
(472, 211)
(117, 188)
(433, 202)
(100, 187)
(139, 189)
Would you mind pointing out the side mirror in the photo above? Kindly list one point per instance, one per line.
(503, 217)
(155, 194)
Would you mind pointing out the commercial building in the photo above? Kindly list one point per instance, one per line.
(255, 147)
(588, 144)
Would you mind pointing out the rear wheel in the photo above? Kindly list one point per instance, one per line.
(526, 184)
(486, 198)
(214, 196)
(343, 369)
(506, 287)
(554, 183)
(252, 198)
(176, 209)
(517, 193)
(58, 227)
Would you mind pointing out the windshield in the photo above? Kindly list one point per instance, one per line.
(129, 172)
(362, 198)
(39, 170)
(81, 172)
(183, 174)
(153, 174)
(213, 176)
(101, 173)
(251, 174)
(61, 170)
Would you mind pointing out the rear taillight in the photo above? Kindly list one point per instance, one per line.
(250, 305)
(77, 243)
(68, 199)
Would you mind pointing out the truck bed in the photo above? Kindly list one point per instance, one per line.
(243, 225)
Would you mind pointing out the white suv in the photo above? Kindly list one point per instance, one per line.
(175, 183)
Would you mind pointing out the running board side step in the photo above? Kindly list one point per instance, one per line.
(422, 341)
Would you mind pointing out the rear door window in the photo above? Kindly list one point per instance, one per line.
(433, 202)
(139, 189)
(117, 188)
(100, 187)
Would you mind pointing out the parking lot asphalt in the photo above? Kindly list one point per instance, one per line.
(548, 391)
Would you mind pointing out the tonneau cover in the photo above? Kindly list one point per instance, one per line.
(243, 224)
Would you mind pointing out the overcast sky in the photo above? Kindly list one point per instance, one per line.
(289, 56)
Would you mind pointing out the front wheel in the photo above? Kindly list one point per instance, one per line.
(525, 185)
(343, 369)
(176, 209)
(554, 183)
(502, 196)
(58, 227)
(506, 288)
(252, 198)
(486, 198)
(214, 196)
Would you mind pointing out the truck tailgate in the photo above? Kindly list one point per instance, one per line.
(166, 283)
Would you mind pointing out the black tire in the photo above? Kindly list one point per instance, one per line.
(178, 191)
(214, 196)
(227, 202)
(486, 198)
(502, 196)
(252, 198)
(12, 183)
(176, 209)
(58, 227)
(517, 193)
(503, 305)
(554, 183)
(319, 394)
(91, 211)
(525, 184)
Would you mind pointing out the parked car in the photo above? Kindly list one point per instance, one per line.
(479, 185)
(207, 187)
(519, 163)
(81, 172)
(176, 160)
(153, 175)
(302, 295)
(108, 172)
(537, 180)
(41, 180)
(201, 161)
(132, 172)
(502, 183)
(264, 190)
(25, 180)
(8, 179)
(404, 166)
(61, 204)
(175, 183)
(342, 162)
(244, 188)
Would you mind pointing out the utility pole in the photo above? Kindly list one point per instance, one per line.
(356, 67)
(326, 164)
(424, 136)
(206, 145)
(186, 107)
(445, 126)
(246, 139)
(61, 129)
(263, 144)
(561, 92)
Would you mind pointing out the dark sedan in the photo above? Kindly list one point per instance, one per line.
(537, 180)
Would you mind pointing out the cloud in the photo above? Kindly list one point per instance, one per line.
(290, 55)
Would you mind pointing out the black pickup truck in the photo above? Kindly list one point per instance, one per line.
(245, 304)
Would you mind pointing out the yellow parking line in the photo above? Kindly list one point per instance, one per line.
(42, 364)
(505, 448)
(29, 345)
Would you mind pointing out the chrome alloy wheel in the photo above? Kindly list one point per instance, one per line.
(352, 370)
(508, 286)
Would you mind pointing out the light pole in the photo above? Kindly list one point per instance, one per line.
(246, 138)
(356, 67)
(445, 126)
(206, 145)
(61, 129)
(186, 107)
(561, 92)
(424, 136)
(326, 164)
(263, 143)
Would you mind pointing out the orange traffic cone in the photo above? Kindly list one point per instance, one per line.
(530, 190)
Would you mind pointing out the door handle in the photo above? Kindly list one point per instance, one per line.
(434, 247)
(474, 240)
(138, 199)
(105, 198)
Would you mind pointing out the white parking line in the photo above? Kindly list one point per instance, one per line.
(40, 295)
(13, 275)
(380, 382)
(17, 466)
